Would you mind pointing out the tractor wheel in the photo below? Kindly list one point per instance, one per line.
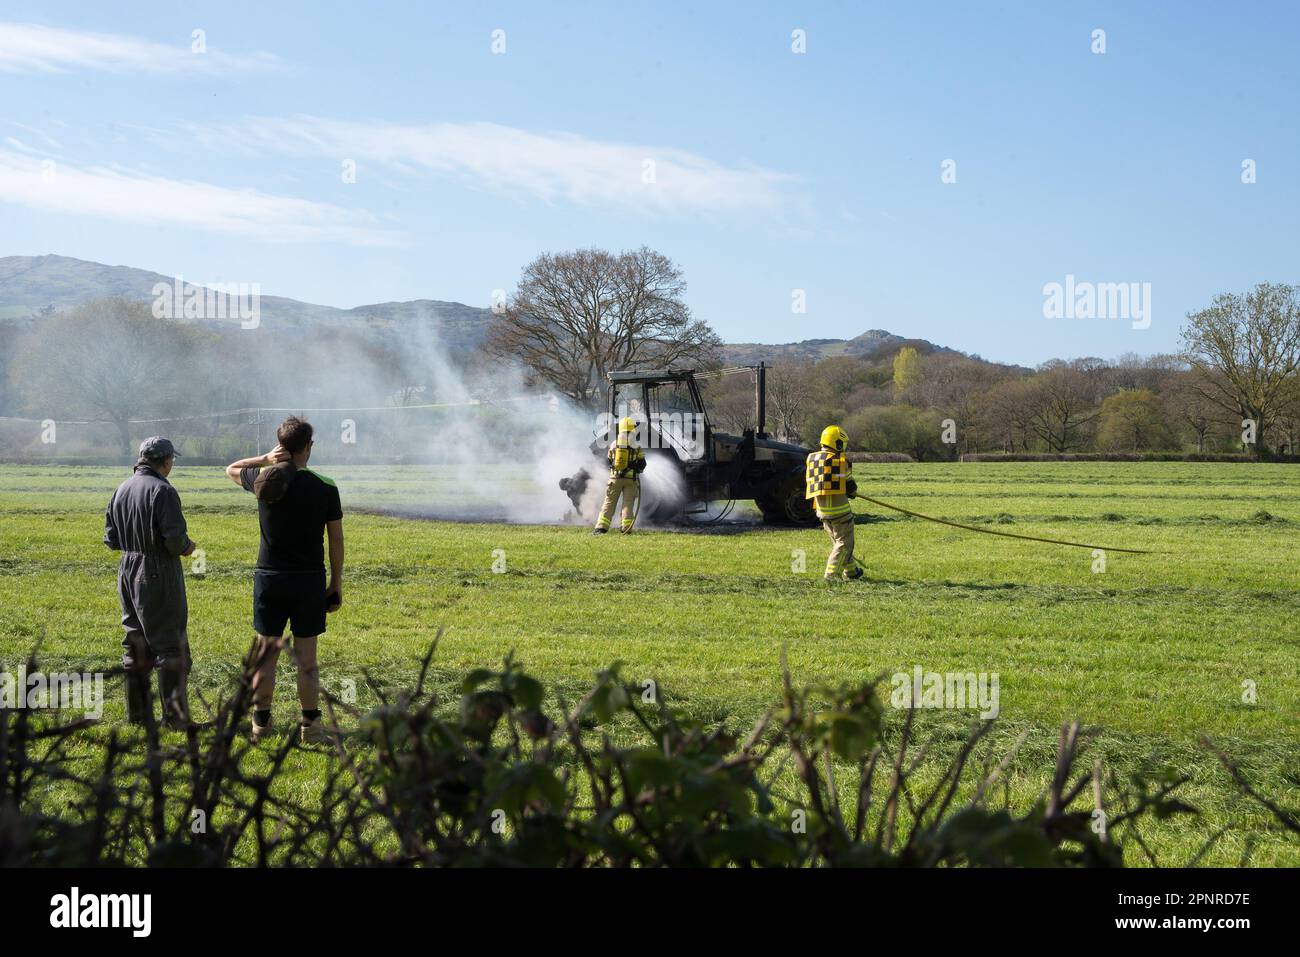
(659, 512)
(787, 506)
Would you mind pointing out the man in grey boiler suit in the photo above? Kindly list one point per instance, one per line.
(144, 522)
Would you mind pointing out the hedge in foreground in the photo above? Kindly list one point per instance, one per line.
(500, 781)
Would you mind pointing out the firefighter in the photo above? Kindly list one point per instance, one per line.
(626, 463)
(829, 483)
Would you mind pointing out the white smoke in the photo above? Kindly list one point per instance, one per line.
(410, 416)
(494, 449)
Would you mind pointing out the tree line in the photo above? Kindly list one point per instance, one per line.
(1233, 386)
(576, 316)
(943, 405)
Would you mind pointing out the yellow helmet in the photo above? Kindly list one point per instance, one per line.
(833, 437)
(627, 425)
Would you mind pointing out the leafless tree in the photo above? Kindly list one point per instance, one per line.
(1006, 414)
(1184, 397)
(950, 386)
(732, 411)
(789, 390)
(1133, 371)
(576, 316)
(1064, 398)
(11, 334)
(108, 359)
(840, 376)
(1288, 419)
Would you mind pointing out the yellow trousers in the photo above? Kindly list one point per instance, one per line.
(630, 491)
(840, 530)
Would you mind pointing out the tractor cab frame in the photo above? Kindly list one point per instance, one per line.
(676, 433)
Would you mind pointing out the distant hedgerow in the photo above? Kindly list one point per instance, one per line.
(1123, 457)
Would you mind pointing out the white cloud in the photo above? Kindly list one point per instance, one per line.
(50, 141)
(32, 48)
(169, 203)
(551, 167)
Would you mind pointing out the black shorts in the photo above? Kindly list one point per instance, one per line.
(293, 598)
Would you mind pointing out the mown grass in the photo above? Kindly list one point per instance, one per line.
(1155, 649)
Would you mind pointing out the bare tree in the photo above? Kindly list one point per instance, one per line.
(839, 376)
(1006, 413)
(1064, 398)
(1133, 371)
(1186, 401)
(732, 410)
(577, 316)
(950, 386)
(108, 359)
(11, 334)
(788, 393)
(1247, 349)
(1288, 419)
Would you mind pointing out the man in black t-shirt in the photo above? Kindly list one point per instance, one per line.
(296, 508)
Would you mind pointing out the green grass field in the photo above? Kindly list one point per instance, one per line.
(1156, 649)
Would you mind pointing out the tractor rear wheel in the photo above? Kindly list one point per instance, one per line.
(787, 506)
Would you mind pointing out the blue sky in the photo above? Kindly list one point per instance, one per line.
(774, 171)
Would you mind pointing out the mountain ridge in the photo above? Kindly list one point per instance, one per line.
(30, 285)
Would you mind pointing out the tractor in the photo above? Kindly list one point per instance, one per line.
(703, 465)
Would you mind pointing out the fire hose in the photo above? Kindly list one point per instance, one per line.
(989, 531)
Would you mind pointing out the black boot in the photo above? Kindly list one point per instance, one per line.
(172, 687)
(138, 700)
(138, 664)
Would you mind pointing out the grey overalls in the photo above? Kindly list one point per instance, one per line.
(144, 522)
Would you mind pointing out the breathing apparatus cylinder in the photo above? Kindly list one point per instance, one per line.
(623, 444)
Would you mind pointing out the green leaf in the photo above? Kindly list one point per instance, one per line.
(476, 678)
(850, 735)
(526, 691)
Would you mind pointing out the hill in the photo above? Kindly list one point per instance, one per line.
(870, 343)
(31, 284)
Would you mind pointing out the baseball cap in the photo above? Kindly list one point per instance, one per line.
(156, 447)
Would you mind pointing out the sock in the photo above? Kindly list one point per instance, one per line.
(262, 717)
(309, 716)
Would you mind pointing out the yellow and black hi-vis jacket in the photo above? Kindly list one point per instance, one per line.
(627, 461)
(827, 483)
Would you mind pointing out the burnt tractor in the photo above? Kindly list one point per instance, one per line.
(690, 465)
